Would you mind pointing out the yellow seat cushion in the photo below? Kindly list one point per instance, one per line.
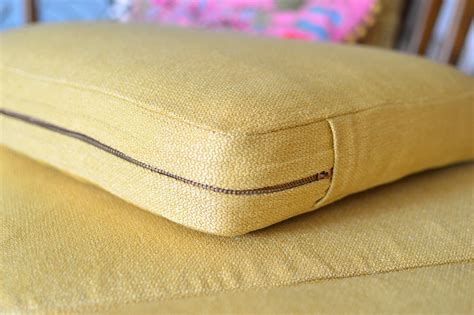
(67, 246)
(439, 289)
(221, 132)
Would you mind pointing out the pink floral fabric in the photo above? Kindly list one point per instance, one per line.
(317, 20)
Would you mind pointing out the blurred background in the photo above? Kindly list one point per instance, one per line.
(442, 30)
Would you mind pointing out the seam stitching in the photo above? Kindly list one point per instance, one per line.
(99, 306)
(322, 201)
(91, 88)
(309, 280)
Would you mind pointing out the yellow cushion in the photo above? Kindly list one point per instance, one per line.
(439, 289)
(225, 133)
(67, 246)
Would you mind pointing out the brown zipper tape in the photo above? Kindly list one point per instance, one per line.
(89, 140)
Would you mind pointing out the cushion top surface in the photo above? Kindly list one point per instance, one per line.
(224, 81)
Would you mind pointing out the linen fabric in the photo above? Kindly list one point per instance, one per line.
(67, 246)
(439, 289)
(224, 133)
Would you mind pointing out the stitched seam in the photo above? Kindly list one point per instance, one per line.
(309, 280)
(99, 306)
(181, 120)
(321, 201)
(111, 128)
(70, 114)
(239, 192)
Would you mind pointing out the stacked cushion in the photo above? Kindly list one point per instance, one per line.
(229, 134)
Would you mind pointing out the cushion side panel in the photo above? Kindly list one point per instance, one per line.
(197, 208)
(378, 146)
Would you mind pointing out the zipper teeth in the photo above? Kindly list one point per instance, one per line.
(89, 140)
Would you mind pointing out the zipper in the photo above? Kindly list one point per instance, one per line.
(104, 147)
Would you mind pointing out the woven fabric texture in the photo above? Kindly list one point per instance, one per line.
(68, 246)
(225, 133)
(429, 290)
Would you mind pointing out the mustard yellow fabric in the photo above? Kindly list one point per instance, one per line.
(440, 289)
(66, 245)
(222, 113)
